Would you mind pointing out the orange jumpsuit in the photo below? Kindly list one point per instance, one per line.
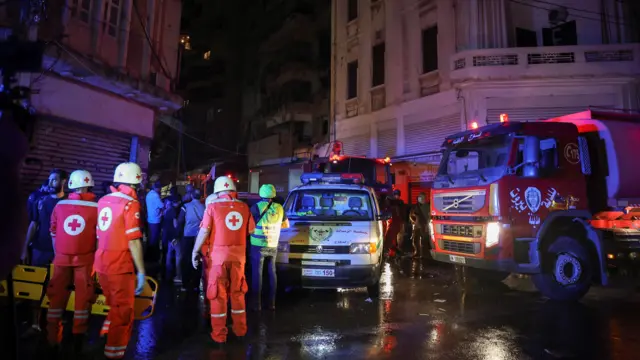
(73, 225)
(229, 222)
(206, 267)
(118, 223)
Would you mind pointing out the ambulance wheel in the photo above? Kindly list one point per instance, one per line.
(567, 270)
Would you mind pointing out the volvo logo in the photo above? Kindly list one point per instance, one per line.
(456, 203)
(319, 249)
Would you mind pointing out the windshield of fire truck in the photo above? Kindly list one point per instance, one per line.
(374, 171)
(480, 160)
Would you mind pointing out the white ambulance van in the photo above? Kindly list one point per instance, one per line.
(336, 235)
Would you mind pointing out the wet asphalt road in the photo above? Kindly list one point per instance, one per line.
(424, 312)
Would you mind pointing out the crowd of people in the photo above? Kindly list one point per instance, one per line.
(112, 238)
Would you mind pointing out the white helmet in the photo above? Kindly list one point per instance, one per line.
(223, 183)
(211, 198)
(79, 179)
(128, 173)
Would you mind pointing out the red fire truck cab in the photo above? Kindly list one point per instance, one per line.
(553, 199)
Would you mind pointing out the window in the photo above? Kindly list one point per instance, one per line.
(430, 49)
(526, 38)
(207, 55)
(330, 204)
(484, 158)
(548, 157)
(352, 10)
(111, 17)
(325, 127)
(352, 80)
(378, 65)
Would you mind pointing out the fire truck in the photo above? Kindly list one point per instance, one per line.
(555, 199)
(328, 159)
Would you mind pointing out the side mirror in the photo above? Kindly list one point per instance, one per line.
(384, 215)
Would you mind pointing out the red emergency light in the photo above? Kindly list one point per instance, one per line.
(337, 148)
(504, 118)
(474, 125)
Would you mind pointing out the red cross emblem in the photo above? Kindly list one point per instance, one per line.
(74, 225)
(226, 185)
(86, 179)
(233, 220)
(138, 177)
(104, 219)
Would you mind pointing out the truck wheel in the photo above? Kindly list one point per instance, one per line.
(566, 271)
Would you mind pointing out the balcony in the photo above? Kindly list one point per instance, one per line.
(294, 111)
(545, 62)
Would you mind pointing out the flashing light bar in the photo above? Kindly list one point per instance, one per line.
(330, 178)
(504, 118)
(474, 125)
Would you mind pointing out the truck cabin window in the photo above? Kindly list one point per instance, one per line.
(330, 204)
(483, 159)
(548, 157)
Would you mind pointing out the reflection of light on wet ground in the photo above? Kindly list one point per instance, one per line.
(386, 285)
(317, 342)
(147, 338)
(494, 344)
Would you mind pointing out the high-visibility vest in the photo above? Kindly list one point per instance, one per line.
(268, 228)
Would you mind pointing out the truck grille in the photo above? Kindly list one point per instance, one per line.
(460, 246)
(460, 202)
(461, 230)
(319, 249)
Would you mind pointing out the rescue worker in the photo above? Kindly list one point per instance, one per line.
(395, 232)
(270, 218)
(228, 222)
(419, 216)
(189, 220)
(205, 262)
(73, 230)
(119, 251)
(39, 239)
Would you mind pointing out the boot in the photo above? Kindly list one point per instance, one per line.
(78, 343)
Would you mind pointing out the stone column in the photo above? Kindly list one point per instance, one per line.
(364, 58)
(394, 52)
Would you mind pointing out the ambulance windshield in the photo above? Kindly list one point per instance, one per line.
(329, 204)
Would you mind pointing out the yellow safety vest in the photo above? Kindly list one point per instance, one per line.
(267, 231)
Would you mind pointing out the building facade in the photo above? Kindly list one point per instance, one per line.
(287, 107)
(109, 71)
(407, 73)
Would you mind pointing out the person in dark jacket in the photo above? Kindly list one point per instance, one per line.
(419, 216)
(189, 220)
(395, 233)
(34, 197)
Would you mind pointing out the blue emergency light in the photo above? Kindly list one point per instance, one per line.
(330, 178)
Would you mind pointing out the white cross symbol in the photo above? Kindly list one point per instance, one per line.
(74, 225)
(233, 220)
(104, 219)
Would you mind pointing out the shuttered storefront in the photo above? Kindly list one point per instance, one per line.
(532, 113)
(387, 139)
(71, 146)
(356, 145)
(428, 135)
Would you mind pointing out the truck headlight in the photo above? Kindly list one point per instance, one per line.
(283, 247)
(362, 248)
(493, 234)
(431, 231)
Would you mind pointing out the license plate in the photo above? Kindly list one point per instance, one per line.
(319, 272)
(457, 259)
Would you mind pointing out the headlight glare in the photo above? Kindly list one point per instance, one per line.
(493, 234)
(360, 248)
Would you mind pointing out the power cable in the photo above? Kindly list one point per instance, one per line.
(153, 50)
(569, 7)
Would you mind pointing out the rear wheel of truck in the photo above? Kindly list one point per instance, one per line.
(567, 270)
